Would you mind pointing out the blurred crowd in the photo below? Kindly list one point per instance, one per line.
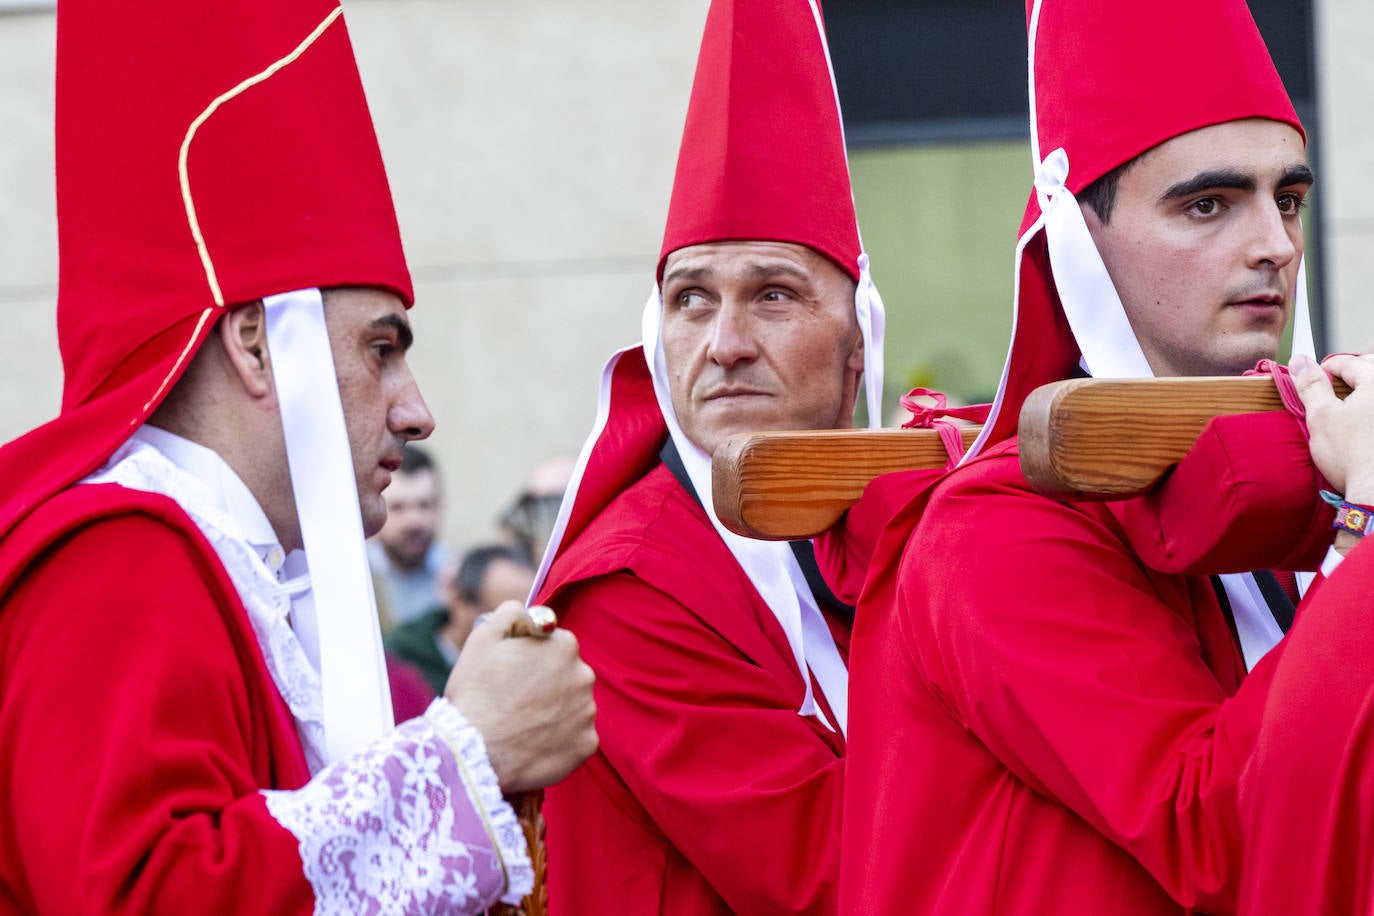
(429, 593)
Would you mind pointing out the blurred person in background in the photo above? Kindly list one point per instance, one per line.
(407, 559)
(527, 523)
(488, 576)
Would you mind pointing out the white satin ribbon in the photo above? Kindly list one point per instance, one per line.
(357, 698)
(770, 565)
(872, 317)
(1090, 300)
(1302, 318)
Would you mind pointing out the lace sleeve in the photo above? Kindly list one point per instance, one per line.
(414, 824)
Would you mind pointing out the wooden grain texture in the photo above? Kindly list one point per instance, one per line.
(1106, 439)
(788, 485)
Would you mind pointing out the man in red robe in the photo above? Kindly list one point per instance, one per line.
(721, 679)
(193, 710)
(1041, 721)
(1307, 800)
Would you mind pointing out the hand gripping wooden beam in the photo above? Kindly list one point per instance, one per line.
(1098, 439)
(1106, 439)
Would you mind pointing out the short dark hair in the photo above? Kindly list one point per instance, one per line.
(1101, 194)
(415, 459)
(468, 580)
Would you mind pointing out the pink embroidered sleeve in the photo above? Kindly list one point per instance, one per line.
(414, 824)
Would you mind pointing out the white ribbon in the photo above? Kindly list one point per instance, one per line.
(1090, 300)
(357, 699)
(1302, 319)
(770, 565)
(872, 317)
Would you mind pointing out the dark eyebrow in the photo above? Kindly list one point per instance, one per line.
(404, 336)
(1208, 181)
(1239, 181)
(1298, 174)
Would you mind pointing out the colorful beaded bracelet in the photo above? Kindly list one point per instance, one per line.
(1352, 517)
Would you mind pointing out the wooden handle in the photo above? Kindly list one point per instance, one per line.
(1106, 439)
(537, 622)
(1097, 439)
(783, 486)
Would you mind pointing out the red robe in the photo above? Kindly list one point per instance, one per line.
(1040, 723)
(127, 657)
(710, 794)
(1309, 792)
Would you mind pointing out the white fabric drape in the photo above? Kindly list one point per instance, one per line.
(357, 698)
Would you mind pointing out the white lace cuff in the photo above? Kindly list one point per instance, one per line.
(389, 831)
(485, 791)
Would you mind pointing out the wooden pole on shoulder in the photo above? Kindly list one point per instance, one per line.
(784, 486)
(1107, 439)
(1099, 439)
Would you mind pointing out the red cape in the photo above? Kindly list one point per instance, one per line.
(137, 719)
(1039, 721)
(710, 794)
(1308, 795)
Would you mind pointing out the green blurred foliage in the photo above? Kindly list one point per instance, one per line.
(939, 223)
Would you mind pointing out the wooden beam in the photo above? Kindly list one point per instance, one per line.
(1099, 439)
(789, 485)
(1106, 439)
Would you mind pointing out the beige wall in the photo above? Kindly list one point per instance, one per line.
(30, 374)
(1346, 168)
(530, 146)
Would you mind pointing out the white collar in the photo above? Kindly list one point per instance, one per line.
(227, 493)
(281, 610)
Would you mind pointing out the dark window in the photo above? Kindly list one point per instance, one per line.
(913, 71)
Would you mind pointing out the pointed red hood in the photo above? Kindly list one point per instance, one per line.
(1111, 81)
(207, 155)
(762, 158)
(762, 153)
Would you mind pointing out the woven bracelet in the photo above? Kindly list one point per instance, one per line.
(1352, 517)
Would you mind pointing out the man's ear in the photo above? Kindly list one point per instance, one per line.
(243, 333)
(855, 363)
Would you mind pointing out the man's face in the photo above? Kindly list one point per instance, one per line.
(758, 336)
(505, 581)
(1204, 244)
(412, 517)
(369, 335)
(502, 581)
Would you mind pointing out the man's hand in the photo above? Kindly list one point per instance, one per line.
(530, 697)
(1342, 442)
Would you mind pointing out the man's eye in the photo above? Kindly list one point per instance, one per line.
(1206, 207)
(1291, 203)
(690, 300)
